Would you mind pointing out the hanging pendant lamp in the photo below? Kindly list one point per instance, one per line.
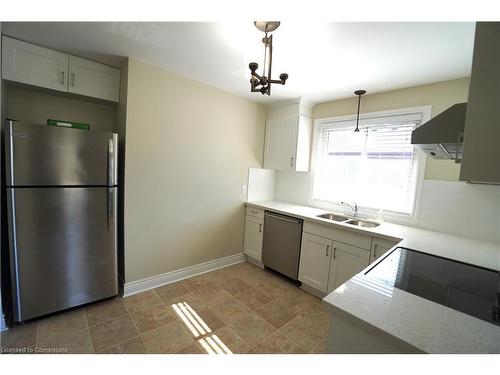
(359, 93)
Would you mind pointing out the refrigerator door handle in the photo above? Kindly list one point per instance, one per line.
(111, 161)
(16, 293)
(9, 153)
(111, 209)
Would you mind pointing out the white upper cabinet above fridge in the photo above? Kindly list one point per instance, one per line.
(43, 67)
(34, 65)
(288, 136)
(92, 79)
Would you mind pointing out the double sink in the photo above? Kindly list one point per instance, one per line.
(346, 220)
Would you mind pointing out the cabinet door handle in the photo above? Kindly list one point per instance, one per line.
(62, 78)
(327, 249)
(291, 161)
(334, 252)
(375, 251)
(72, 79)
(260, 228)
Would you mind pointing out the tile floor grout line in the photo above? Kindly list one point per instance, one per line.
(241, 338)
(145, 308)
(118, 343)
(295, 341)
(251, 347)
(108, 321)
(136, 328)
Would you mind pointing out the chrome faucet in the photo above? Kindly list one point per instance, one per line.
(354, 208)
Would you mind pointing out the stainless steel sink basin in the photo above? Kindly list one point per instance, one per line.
(333, 217)
(350, 221)
(362, 223)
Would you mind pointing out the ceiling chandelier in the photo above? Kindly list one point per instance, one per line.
(262, 83)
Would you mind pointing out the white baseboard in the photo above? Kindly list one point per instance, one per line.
(3, 325)
(255, 262)
(311, 290)
(138, 286)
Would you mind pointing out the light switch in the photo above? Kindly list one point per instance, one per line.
(243, 189)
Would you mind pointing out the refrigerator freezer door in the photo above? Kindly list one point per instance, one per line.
(39, 155)
(62, 247)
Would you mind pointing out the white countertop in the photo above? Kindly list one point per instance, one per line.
(428, 326)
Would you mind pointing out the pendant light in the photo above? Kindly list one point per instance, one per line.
(263, 83)
(359, 93)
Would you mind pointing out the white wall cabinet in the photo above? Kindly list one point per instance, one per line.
(288, 137)
(315, 254)
(252, 244)
(42, 67)
(34, 65)
(346, 262)
(92, 79)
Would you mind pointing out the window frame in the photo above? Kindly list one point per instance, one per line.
(424, 112)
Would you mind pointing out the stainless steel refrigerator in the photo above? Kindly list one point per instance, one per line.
(62, 217)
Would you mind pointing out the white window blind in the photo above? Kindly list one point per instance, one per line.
(375, 167)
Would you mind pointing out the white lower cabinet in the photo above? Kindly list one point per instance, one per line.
(315, 257)
(380, 247)
(252, 245)
(346, 261)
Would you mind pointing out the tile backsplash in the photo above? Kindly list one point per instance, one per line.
(468, 210)
(460, 208)
(293, 187)
(261, 184)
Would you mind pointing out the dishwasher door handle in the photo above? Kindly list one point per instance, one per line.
(283, 218)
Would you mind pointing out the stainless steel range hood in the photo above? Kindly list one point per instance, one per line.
(442, 136)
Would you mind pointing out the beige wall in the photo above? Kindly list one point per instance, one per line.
(440, 95)
(189, 147)
(36, 106)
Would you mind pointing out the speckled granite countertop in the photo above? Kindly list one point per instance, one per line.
(428, 326)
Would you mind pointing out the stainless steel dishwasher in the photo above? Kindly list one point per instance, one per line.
(281, 243)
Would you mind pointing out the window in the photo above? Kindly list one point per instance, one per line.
(376, 167)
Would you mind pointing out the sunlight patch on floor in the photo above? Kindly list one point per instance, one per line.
(198, 327)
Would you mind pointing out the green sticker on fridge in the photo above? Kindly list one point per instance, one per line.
(68, 124)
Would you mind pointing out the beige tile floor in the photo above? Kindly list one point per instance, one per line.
(238, 309)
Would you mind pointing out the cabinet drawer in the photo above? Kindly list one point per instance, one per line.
(255, 212)
(340, 235)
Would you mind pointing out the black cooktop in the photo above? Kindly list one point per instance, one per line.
(470, 289)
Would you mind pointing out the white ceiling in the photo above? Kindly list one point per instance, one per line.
(324, 61)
